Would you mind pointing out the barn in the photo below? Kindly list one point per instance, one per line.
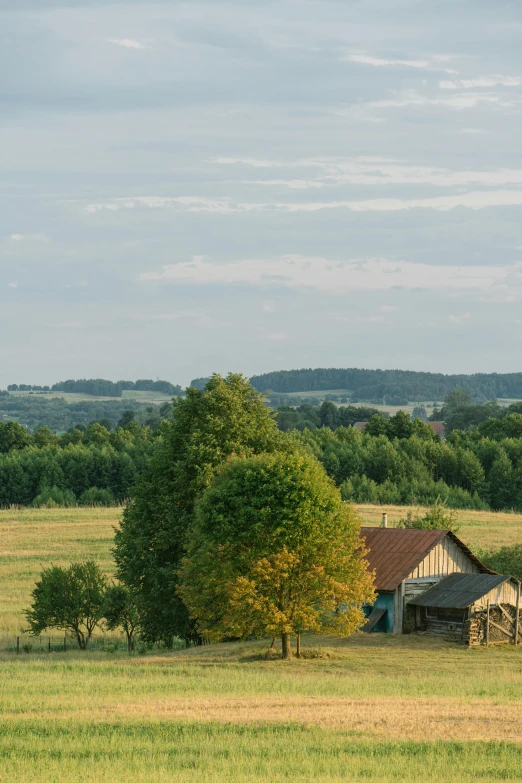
(407, 563)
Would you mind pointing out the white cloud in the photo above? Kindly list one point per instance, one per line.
(379, 62)
(128, 43)
(14, 284)
(459, 319)
(407, 98)
(479, 199)
(334, 276)
(481, 81)
(25, 237)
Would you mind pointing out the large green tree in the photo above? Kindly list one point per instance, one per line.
(228, 418)
(274, 551)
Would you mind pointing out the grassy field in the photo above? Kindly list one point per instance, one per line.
(378, 707)
(152, 397)
(31, 539)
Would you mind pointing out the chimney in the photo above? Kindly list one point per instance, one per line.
(384, 522)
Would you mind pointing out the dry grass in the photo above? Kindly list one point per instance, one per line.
(480, 529)
(31, 539)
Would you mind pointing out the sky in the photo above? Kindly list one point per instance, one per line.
(251, 185)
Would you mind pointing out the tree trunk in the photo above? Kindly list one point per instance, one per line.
(298, 645)
(287, 650)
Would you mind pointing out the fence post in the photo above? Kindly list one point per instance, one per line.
(487, 626)
(17, 645)
(517, 618)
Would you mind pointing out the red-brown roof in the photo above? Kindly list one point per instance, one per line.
(438, 427)
(394, 552)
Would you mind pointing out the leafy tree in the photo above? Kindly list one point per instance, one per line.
(45, 437)
(274, 551)
(501, 482)
(126, 418)
(227, 418)
(70, 599)
(457, 398)
(120, 610)
(13, 437)
(506, 560)
(438, 517)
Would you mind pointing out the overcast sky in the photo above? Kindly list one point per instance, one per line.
(256, 185)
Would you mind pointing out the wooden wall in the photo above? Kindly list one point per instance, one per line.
(445, 558)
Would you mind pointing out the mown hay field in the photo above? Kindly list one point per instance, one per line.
(378, 707)
(31, 539)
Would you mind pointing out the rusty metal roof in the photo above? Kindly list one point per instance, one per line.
(395, 552)
(458, 591)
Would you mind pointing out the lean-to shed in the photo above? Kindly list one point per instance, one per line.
(406, 564)
(460, 606)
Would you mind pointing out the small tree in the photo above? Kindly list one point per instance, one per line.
(121, 611)
(438, 517)
(274, 551)
(70, 599)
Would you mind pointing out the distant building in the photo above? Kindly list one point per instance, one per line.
(360, 425)
(407, 563)
(438, 427)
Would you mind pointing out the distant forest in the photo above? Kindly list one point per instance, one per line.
(98, 387)
(392, 387)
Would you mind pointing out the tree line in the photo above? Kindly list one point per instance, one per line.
(84, 466)
(396, 460)
(390, 386)
(99, 387)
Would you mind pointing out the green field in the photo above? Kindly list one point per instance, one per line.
(376, 707)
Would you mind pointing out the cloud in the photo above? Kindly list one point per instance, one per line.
(482, 81)
(459, 319)
(379, 62)
(25, 237)
(378, 171)
(333, 276)
(128, 43)
(413, 98)
(475, 200)
(14, 284)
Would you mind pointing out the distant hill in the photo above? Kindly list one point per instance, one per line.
(98, 387)
(389, 385)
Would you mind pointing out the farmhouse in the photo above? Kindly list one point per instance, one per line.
(407, 563)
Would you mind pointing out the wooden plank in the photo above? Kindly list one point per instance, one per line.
(517, 618)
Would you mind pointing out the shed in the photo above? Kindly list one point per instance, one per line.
(407, 563)
(455, 606)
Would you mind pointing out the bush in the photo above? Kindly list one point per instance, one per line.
(439, 517)
(96, 497)
(53, 497)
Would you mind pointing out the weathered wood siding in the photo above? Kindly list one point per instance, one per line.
(445, 558)
(503, 594)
